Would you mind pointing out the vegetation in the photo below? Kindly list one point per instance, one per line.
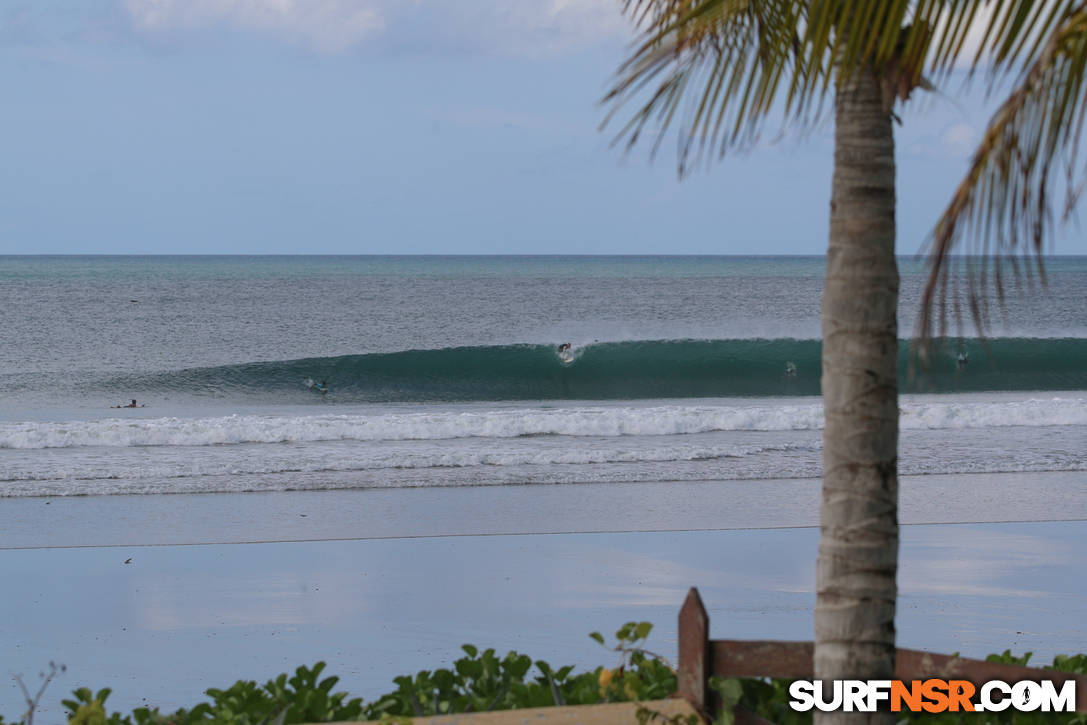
(478, 682)
(732, 65)
(770, 699)
(717, 70)
(483, 681)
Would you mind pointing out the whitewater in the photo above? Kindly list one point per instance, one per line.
(663, 420)
(444, 372)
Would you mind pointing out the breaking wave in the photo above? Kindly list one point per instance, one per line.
(586, 421)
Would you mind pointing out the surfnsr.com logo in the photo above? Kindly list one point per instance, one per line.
(932, 695)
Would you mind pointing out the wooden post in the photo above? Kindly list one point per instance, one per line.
(694, 649)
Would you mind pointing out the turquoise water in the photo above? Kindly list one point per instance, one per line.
(447, 392)
(616, 371)
(445, 371)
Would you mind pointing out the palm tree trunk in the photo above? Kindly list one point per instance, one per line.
(858, 545)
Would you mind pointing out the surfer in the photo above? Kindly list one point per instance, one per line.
(130, 405)
(322, 386)
(790, 369)
(962, 359)
(564, 347)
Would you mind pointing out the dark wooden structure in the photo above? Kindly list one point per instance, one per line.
(701, 658)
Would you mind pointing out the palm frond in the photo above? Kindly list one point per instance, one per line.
(934, 37)
(733, 58)
(718, 68)
(1002, 207)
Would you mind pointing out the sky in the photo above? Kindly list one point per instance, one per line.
(392, 126)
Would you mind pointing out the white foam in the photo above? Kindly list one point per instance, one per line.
(382, 457)
(662, 420)
(1033, 413)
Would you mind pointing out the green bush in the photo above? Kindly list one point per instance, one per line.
(769, 698)
(483, 680)
(477, 682)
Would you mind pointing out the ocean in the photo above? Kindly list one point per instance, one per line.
(445, 372)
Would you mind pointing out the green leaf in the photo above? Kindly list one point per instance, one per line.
(729, 689)
(519, 665)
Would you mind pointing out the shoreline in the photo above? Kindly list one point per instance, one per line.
(179, 619)
(557, 509)
(165, 596)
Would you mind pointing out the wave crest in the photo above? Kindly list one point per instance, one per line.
(613, 371)
(575, 421)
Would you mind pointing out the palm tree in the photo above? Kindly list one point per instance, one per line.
(737, 62)
(1001, 211)
(742, 57)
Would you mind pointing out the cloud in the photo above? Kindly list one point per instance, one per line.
(324, 25)
(959, 139)
(508, 27)
(559, 24)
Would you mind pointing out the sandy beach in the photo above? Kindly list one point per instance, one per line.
(279, 516)
(381, 583)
